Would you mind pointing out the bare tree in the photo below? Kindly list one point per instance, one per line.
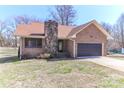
(120, 28)
(24, 19)
(108, 27)
(63, 14)
(116, 35)
(11, 25)
(2, 28)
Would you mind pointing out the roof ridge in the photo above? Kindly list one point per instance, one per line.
(58, 24)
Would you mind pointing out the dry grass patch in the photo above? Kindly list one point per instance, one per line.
(40, 73)
(66, 73)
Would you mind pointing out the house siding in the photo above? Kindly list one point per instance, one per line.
(91, 34)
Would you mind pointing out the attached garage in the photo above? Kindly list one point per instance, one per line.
(89, 39)
(88, 49)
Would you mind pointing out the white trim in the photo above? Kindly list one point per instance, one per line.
(31, 36)
(74, 51)
(21, 45)
(103, 51)
(103, 30)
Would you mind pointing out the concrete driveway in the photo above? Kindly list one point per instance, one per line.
(108, 62)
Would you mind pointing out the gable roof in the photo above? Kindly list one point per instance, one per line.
(64, 32)
(76, 29)
(33, 29)
(37, 30)
(80, 28)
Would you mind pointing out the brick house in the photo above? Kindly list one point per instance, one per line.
(88, 39)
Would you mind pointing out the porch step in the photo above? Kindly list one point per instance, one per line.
(62, 55)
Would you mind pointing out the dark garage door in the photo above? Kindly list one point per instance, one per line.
(86, 49)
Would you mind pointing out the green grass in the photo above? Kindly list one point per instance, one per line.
(114, 82)
(66, 73)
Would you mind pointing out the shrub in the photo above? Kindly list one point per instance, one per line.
(115, 50)
(44, 56)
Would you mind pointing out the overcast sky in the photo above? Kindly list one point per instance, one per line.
(85, 13)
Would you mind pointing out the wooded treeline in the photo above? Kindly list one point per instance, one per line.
(8, 27)
(117, 32)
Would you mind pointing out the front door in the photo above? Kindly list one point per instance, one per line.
(60, 45)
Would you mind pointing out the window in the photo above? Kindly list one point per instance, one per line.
(33, 43)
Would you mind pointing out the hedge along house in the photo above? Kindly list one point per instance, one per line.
(88, 39)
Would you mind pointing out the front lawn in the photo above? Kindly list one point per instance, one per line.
(63, 73)
(8, 52)
(40, 73)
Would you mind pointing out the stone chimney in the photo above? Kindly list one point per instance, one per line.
(51, 37)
